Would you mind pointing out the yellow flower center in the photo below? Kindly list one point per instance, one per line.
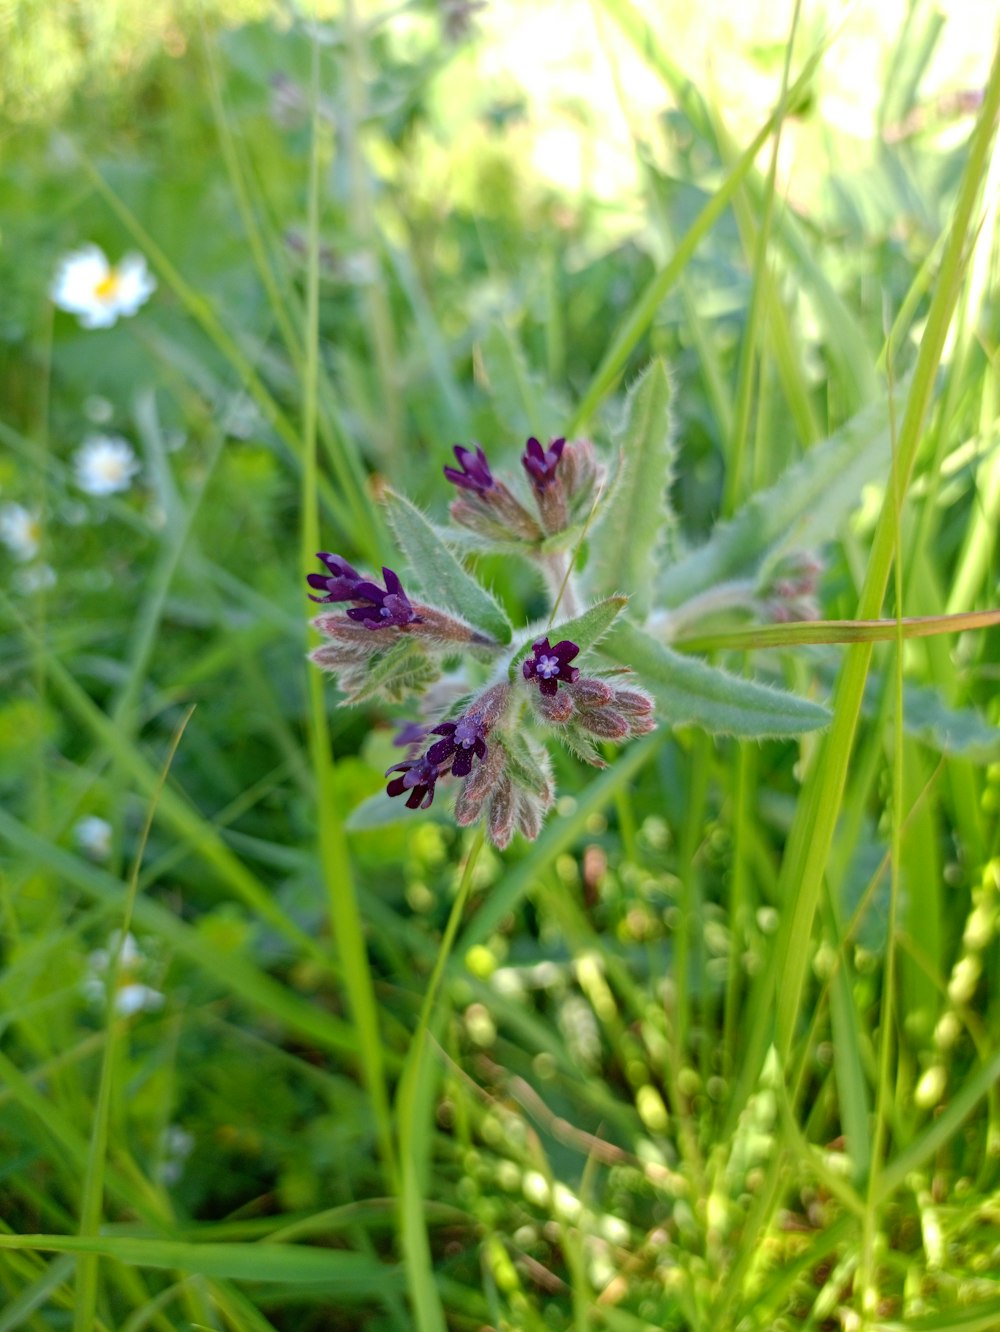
(106, 289)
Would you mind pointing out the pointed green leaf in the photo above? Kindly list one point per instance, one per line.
(350, 1274)
(633, 517)
(521, 402)
(584, 630)
(381, 811)
(947, 730)
(802, 510)
(687, 689)
(439, 574)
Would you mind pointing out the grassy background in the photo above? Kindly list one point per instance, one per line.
(720, 1049)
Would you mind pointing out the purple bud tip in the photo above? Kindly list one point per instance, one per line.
(548, 665)
(374, 607)
(541, 464)
(473, 471)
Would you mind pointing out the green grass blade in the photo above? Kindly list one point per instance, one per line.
(812, 833)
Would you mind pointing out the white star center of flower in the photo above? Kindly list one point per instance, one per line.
(547, 667)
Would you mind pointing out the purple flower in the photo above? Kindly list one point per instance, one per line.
(551, 664)
(462, 740)
(541, 464)
(340, 586)
(475, 471)
(409, 734)
(377, 607)
(419, 776)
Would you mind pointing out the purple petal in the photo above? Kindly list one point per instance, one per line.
(392, 583)
(463, 763)
(565, 651)
(445, 728)
(441, 751)
(548, 687)
(337, 565)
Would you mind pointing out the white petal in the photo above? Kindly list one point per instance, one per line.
(135, 284)
(77, 277)
(135, 998)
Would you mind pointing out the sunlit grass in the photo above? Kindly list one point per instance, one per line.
(719, 1048)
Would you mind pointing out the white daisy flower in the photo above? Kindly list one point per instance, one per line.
(105, 464)
(20, 531)
(177, 1145)
(93, 835)
(88, 286)
(131, 995)
(132, 998)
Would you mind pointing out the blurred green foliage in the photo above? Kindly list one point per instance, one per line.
(597, 1147)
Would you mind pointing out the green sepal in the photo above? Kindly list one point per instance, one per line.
(403, 669)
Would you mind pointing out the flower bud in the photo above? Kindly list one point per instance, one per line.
(486, 776)
(590, 693)
(468, 810)
(633, 702)
(501, 815)
(581, 472)
(556, 709)
(529, 816)
(787, 590)
(547, 484)
(605, 722)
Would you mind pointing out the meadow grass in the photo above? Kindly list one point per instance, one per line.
(718, 1049)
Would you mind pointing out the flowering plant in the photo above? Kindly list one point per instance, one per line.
(491, 698)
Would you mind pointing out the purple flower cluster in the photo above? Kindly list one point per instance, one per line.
(548, 665)
(473, 471)
(376, 607)
(541, 464)
(461, 743)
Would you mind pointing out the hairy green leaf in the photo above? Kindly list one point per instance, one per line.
(947, 730)
(382, 811)
(687, 689)
(440, 575)
(633, 516)
(801, 511)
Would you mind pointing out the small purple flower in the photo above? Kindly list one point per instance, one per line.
(551, 664)
(339, 587)
(419, 776)
(463, 739)
(541, 464)
(475, 471)
(409, 734)
(378, 607)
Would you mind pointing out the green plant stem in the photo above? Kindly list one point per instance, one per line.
(414, 1105)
